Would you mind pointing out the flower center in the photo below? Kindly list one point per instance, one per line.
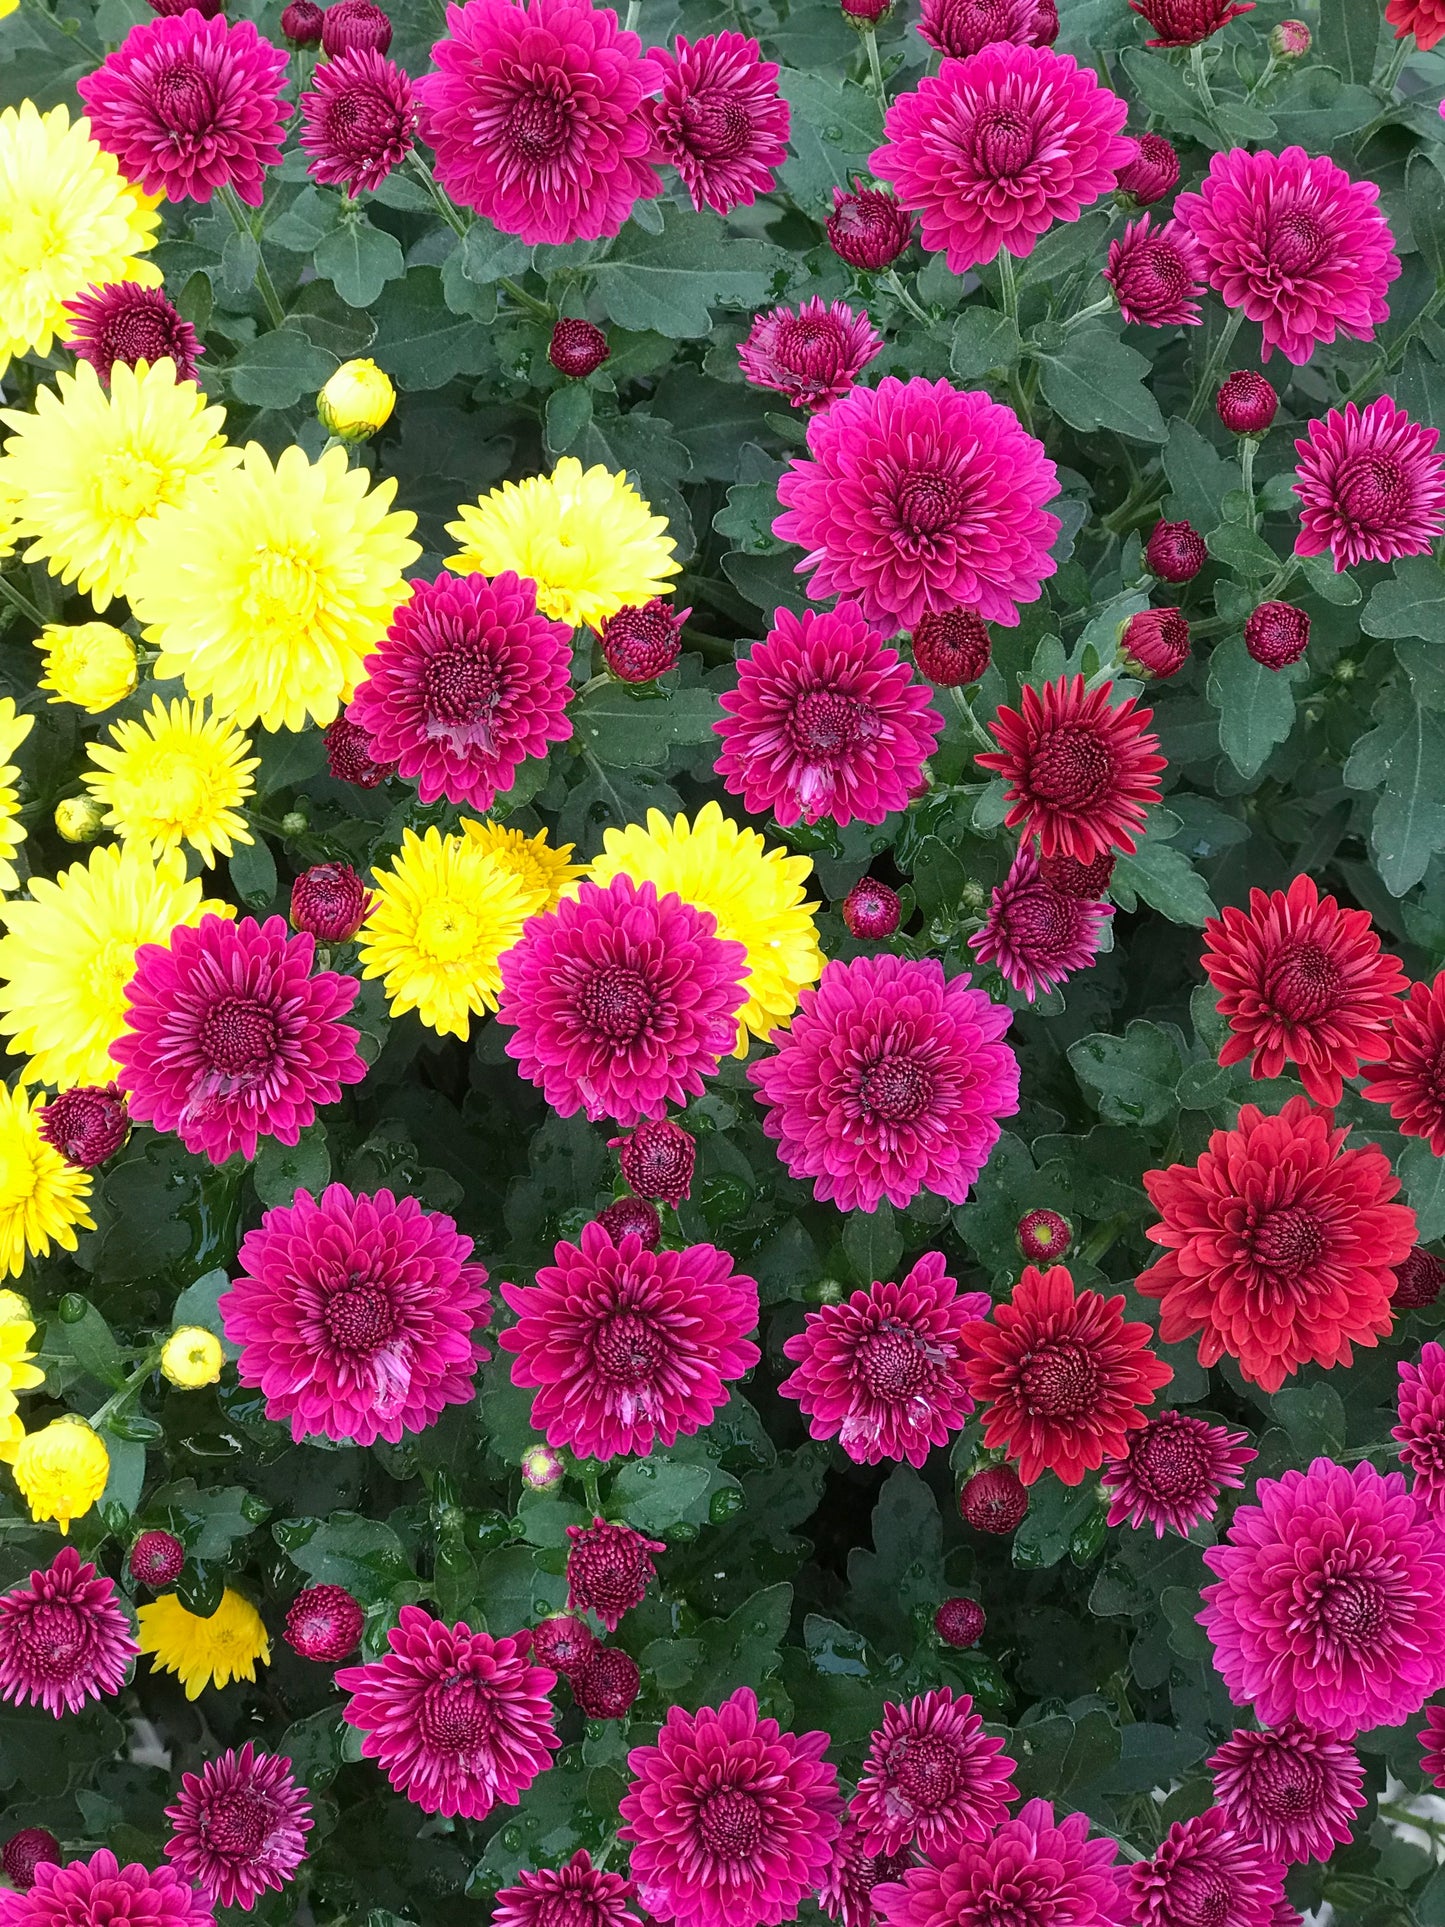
(897, 1090)
(236, 1824)
(893, 1365)
(1372, 491)
(926, 1770)
(1059, 1380)
(239, 1036)
(715, 127)
(615, 1003)
(1003, 142)
(127, 486)
(361, 123)
(1158, 274)
(281, 591)
(1199, 1897)
(809, 346)
(1169, 1464)
(1304, 982)
(565, 1910)
(539, 127)
(184, 102)
(452, 1717)
(1041, 921)
(1283, 1789)
(826, 728)
(1286, 1240)
(628, 1349)
(926, 504)
(446, 931)
(1354, 1610)
(731, 1824)
(52, 1638)
(136, 335)
(461, 686)
(1299, 243)
(360, 1318)
(1071, 767)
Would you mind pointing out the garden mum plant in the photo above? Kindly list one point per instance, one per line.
(722, 844)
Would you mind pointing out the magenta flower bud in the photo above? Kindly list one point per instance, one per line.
(27, 1851)
(1155, 643)
(330, 901)
(1157, 274)
(1276, 634)
(348, 26)
(1418, 1281)
(1246, 404)
(1043, 1236)
(632, 1217)
(564, 1642)
(577, 349)
(156, 1559)
(168, 9)
(542, 1467)
(641, 643)
(952, 647)
(994, 1500)
(867, 228)
(86, 1125)
(1153, 173)
(1184, 23)
(607, 1683)
(301, 23)
(1071, 878)
(349, 758)
(324, 1623)
(1175, 552)
(959, 1622)
(871, 910)
(657, 1160)
(865, 14)
(1046, 23)
(1290, 39)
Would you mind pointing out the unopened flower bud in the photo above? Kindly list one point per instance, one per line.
(542, 1467)
(1276, 634)
(871, 910)
(1153, 172)
(1044, 1236)
(1154, 643)
(1246, 403)
(577, 349)
(867, 228)
(1290, 39)
(192, 1357)
(79, 819)
(864, 15)
(350, 24)
(301, 23)
(641, 642)
(1175, 552)
(358, 399)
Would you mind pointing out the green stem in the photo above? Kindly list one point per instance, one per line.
(1271, 68)
(524, 300)
(21, 602)
(1247, 450)
(1281, 579)
(1200, 78)
(440, 200)
(592, 1493)
(634, 14)
(893, 282)
(875, 70)
(1087, 314)
(123, 1395)
(1008, 286)
(1214, 367)
(1396, 64)
(244, 224)
(972, 724)
(1103, 1237)
(1384, 363)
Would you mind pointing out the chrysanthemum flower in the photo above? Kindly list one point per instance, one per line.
(812, 354)
(189, 105)
(467, 682)
(535, 114)
(754, 892)
(579, 1895)
(1294, 242)
(60, 1470)
(266, 589)
(22, 1857)
(1280, 1245)
(349, 757)
(13, 731)
(1425, 19)
(1420, 1406)
(959, 28)
(1153, 172)
(91, 469)
(1371, 485)
(882, 1372)
(442, 916)
(1184, 23)
(156, 1559)
(1172, 1471)
(826, 720)
(629, 1348)
(994, 149)
(1036, 935)
(99, 1892)
(1304, 982)
(846, 1892)
(90, 664)
(585, 537)
(1329, 1601)
(867, 228)
(719, 119)
(544, 871)
(1204, 1856)
(17, 1371)
(1040, 1871)
(1419, 1280)
(731, 1821)
(125, 322)
(44, 1198)
(175, 776)
(1293, 1790)
(355, 1315)
(890, 1082)
(239, 1826)
(204, 1652)
(64, 1639)
(658, 1160)
(1408, 1078)
(608, 1569)
(1157, 274)
(358, 120)
(933, 1778)
(457, 1720)
(1081, 770)
(915, 497)
(68, 219)
(324, 1623)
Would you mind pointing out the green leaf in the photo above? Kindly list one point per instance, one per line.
(1096, 381)
(313, 1746)
(873, 1243)
(1314, 1417)
(358, 260)
(1255, 704)
(209, 1520)
(1131, 1078)
(1199, 476)
(253, 871)
(1337, 586)
(1242, 551)
(983, 339)
(306, 223)
(905, 1567)
(670, 282)
(1404, 754)
(1056, 1512)
(419, 341)
(281, 1170)
(199, 1304)
(1163, 876)
(1349, 33)
(91, 1343)
(1411, 603)
(654, 1493)
(487, 254)
(127, 1476)
(624, 732)
(277, 369)
(1423, 1176)
(835, 126)
(741, 1650)
(364, 1555)
(569, 410)
(545, 1519)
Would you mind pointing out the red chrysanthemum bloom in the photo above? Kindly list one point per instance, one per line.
(846, 1892)
(535, 114)
(1432, 1745)
(890, 1081)
(608, 1569)
(563, 1642)
(355, 1315)
(86, 1125)
(916, 497)
(1419, 1280)
(994, 1500)
(468, 682)
(1152, 173)
(826, 721)
(719, 119)
(629, 1348)
(882, 1372)
(358, 120)
(812, 354)
(1425, 19)
(1293, 1790)
(640, 642)
(1081, 770)
(156, 1559)
(1036, 935)
(952, 647)
(1295, 243)
(577, 348)
(349, 757)
(1064, 1376)
(99, 1892)
(458, 1721)
(1175, 551)
(871, 911)
(867, 228)
(607, 1684)
(731, 1821)
(577, 1895)
(631, 1217)
(1206, 1871)
(1154, 643)
(1411, 1077)
(230, 1037)
(658, 1160)
(1157, 274)
(1303, 982)
(300, 23)
(1420, 1408)
(239, 1826)
(64, 1638)
(1172, 1472)
(993, 150)
(1280, 1245)
(330, 901)
(933, 1778)
(324, 1623)
(959, 28)
(1246, 403)
(354, 26)
(621, 1002)
(959, 1622)
(1034, 1871)
(1371, 485)
(28, 1851)
(125, 322)
(189, 105)
(1184, 23)
(1078, 879)
(1276, 634)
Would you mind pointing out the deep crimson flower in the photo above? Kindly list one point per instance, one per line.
(1420, 1431)
(658, 1160)
(952, 647)
(564, 1642)
(1410, 1078)
(1172, 1472)
(1276, 634)
(719, 119)
(933, 1778)
(1419, 1280)
(577, 349)
(632, 1217)
(846, 1893)
(188, 105)
(156, 1559)
(26, 1852)
(1152, 173)
(861, 14)
(330, 901)
(871, 911)
(122, 321)
(349, 757)
(1081, 771)
(608, 1567)
(300, 23)
(1043, 1235)
(607, 1683)
(358, 120)
(354, 26)
(812, 354)
(239, 1826)
(867, 228)
(1154, 643)
(1293, 1790)
(324, 1623)
(64, 1638)
(1175, 552)
(642, 642)
(994, 1500)
(1246, 403)
(1371, 485)
(1425, 19)
(99, 1892)
(577, 1895)
(1078, 879)
(1034, 1871)
(1035, 935)
(959, 28)
(1184, 23)
(1157, 274)
(1432, 1744)
(210, 8)
(86, 1125)
(1205, 1868)
(959, 1622)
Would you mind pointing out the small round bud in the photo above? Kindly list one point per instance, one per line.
(564, 1642)
(994, 1500)
(639, 644)
(348, 25)
(1046, 23)
(192, 1357)
(824, 1291)
(1154, 643)
(301, 23)
(867, 228)
(542, 1467)
(657, 1160)
(607, 1683)
(959, 1622)
(1418, 1281)
(86, 1125)
(1153, 173)
(871, 910)
(294, 823)
(632, 1217)
(169, 9)
(79, 819)
(14, 1304)
(359, 398)
(156, 1559)
(1175, 552)
(349, 758)
(1246, 404)
(324, 1622)
(1276, 634)
(1043, 1236)
(577, 349)
(1290, 39)
(330, 901)
(952, 648)
(1071, 878)
(865, 15)
(27, 1851)
(90, 664)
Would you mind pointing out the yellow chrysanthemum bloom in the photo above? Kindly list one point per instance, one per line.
(13, 731)
(42, 1194)
(13, 1305)
(755, 893)
(543, 872)
(442, 916)
(585, 537)
(176, 776)
(69, 220)
(91, 468)
(192, 1357)
(17, 1372)
(204, 1652)
(69, 951)
(267, 588)
(61, 1470)
(90, 664)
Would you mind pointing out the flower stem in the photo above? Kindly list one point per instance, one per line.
(21, 602)
(125, 1393)
(245, 225)
(875, 70)
(1200, 78)
(1246, 469)
(524, 300)
(1214, 367)
(1008, 286)
(592, 1492)
(972, 724)
(1087, 314)
(440, 200)
(634, 14)
(894, 283)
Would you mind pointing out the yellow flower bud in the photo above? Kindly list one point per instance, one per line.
(12, 1306)
(91, 664)
(192, 1357)
(79, 819)
(356, 401)
(61, 1470)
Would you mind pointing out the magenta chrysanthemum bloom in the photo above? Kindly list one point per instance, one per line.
(1173, 1472)
(719, 120)
(608, 1569)
(1034, 1870)
(1421, 1427)
(230, 1037)
(846, 1894)
(239, 1826)
(535, 113)
(1206, 1871)
(458, 1721)
(123, 321)
(629, 1348)
(962, 27)
(933, 1778)
(1370, 484)
(87, 1124)
(577, 1895)
(189, 105)
(992, 150)
(1329, 1605)
(64, 1638)
(622, 1001)
(1293, 1790)
(1157, 274)
(882, 1372)
(355, 1315)
(324, 1623)
(916, 498)
(826, 720)
(99, 1892)
(812, 354)
(1293, 241)
(1432, 1745)
(467, 682)
(358, 120)
(890, 1081)
(1037, 935)
(731, 1820)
